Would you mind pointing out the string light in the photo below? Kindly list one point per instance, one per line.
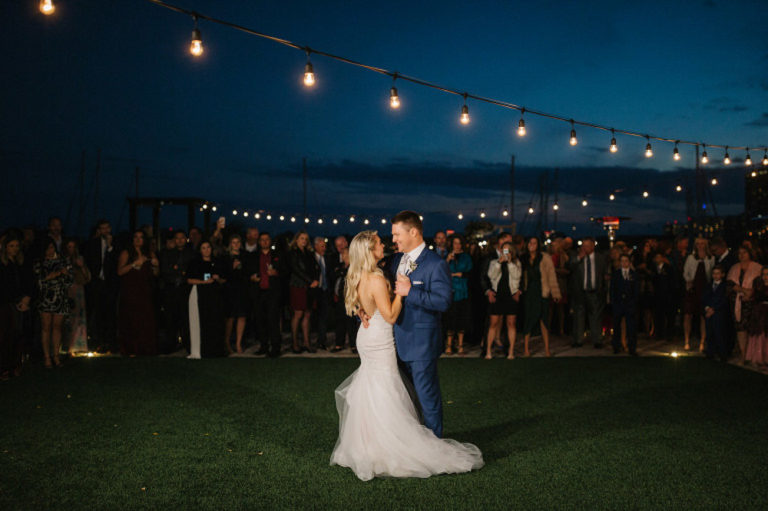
(269, 217)
(196, 45)
(309, 73)
(482, 214)
(213, 208)
(306, 219)
(704, 157)
(714, 181)
(335, 221)
(648, 150)
(573, 140)
(765, 158)
(556, 206)
(394, 99)
(645, 194)
(679, 188)
(505, 213)
(530, 210)
(461, 217)
(352, 219)
(748, 159)
(521, 124)
(614, 148)
(293, 219)
(366, 222)
(584, 203)
(421, 218)
(256, 216)
(282, 218)
(754, 173)
(205, 206)
(320, 221)
(383, 221)
(47, 7)
(611, 197)
(245, 213)
(727, 158)
(464, 119)
(676, 153)
(234, 212)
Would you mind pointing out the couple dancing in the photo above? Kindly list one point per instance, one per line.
(380, 426)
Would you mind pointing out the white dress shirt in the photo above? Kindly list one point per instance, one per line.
(409, 257)
(591, 258)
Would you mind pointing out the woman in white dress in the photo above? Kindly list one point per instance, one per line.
(379, 429)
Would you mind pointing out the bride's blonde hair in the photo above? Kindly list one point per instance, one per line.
(361, 261)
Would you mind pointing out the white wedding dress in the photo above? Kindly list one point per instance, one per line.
(379, 430)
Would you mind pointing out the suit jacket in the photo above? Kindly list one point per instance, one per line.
(624, 292)
(664, 283)
(92, 257)
(418, 328)
(715, 298)
(727, 262)
(578, 267)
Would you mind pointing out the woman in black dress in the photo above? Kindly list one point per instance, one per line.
(137, 267)
(206, 308)
(236, 299)
(15, 297)
(53, 276)
(504, 297)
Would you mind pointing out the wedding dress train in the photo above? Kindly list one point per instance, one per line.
(379, 430)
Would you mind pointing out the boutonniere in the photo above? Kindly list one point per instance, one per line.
(412, 266)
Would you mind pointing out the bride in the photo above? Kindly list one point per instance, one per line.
(379, 429)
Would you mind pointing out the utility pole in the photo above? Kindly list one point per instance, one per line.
(81, 192)
(512, 193)
(96, 185)
(304, 167)
(137, 181)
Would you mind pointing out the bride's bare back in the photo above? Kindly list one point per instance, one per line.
(374, 294)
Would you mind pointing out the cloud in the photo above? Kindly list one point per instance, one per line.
(759, 122)
(734, 108)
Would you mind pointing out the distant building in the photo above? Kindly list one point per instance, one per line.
(756, 193)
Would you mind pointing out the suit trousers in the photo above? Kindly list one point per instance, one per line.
(176, 316)
(267, 318)
(423, 375)
(629, 314)
(588, 306)
(101, 302)
(322, 313)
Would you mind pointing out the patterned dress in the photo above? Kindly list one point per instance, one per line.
(54, 293)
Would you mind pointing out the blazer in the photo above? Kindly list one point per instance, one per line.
(715, 298)
(691, 263)
(578, 267)
(624, 292)
(303, 266)
(418, 333)
(515, 271)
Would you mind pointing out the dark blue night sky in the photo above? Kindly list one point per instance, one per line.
(233, 126)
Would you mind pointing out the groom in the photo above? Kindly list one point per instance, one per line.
(426, 295)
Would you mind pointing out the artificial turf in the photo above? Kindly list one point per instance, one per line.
(578, 433)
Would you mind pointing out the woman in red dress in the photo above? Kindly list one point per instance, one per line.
(136, 312)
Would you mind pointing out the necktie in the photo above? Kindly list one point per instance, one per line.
(589, 274)
(404, 267)
(324, 284)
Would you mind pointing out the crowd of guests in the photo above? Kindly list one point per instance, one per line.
(215, 295)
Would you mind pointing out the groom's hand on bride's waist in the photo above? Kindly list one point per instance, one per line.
(364, 318)
(403, 285)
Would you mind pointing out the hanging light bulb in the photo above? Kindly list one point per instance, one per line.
(614, 148)
(482, 214)
(213, 208)
(676, 153)
(383, 221)
(257, 215)
(309, 73)
(293, 219)
(573, 140)
(648, 150)
(611, 197)
(464, 119)
(306, 219)
(754, 173)
(714, 181)
(748, 159)
(47, 7)
(530, 210)
(335, 221)
(556, 206)
(727, 157)
(205, 206)
(461, 216)
(269, 217)
(196, 45)
(505, 213)
(234, 212)
(645, 194)
(679, 188)
(366, 221)
(584, 203)
(394, 99)
(282, 217)
(521, 124)
(704, 157)
(352, 219)
(245, 214)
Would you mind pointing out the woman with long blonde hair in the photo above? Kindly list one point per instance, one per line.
(379, 429)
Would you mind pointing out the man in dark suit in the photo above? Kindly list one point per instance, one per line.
(725, 258)
(173, 269)
(441, 244)
(101, 259)
(715, 304)
(345, 325)
(588, 275)
(264, 267)
(625, 291)
(324, 291)
(663, 280)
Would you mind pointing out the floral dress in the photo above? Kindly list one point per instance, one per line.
(54, 293)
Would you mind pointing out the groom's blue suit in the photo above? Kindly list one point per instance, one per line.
(418, 331)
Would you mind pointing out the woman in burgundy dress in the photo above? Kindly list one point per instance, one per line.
(757, 330)
(136, 312)
(697, 274)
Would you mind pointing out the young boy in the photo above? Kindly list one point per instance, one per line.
(625, 290)
(715, 304)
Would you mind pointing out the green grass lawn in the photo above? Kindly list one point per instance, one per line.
(579, 433)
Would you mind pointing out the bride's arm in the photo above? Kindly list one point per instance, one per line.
(388, 310)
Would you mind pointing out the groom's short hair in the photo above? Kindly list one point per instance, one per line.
(409, 219)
